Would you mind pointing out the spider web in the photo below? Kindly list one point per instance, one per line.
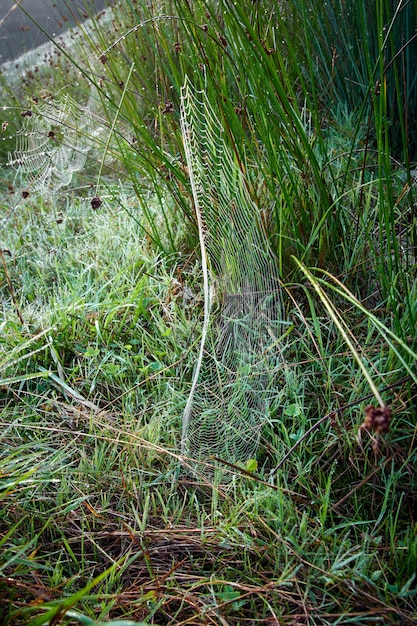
(53, 144)
(228, 400)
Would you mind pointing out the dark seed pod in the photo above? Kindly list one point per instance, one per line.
(96, 203)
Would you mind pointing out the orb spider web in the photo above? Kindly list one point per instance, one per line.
(53, 143)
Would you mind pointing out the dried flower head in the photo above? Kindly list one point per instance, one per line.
(168, 108)
(377, 419)
(96, 203)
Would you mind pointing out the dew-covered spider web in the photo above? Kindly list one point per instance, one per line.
(227, 404)
(53, 143)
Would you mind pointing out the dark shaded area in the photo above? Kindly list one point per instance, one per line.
(352, 63)
(401, 64)
(18, 33)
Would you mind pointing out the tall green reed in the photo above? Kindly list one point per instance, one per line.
(281, 78)
(272, 84)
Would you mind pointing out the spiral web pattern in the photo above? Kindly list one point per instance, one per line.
(227, 404)
(53, 144)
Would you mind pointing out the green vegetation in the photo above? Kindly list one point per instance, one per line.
(101, 313)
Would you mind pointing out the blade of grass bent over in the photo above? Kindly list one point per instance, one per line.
(336, 319)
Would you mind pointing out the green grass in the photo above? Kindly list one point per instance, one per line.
(101, 313)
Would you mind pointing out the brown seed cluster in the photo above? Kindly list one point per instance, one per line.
(377, 419)
(96, 203)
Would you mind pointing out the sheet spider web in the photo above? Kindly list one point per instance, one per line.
(232, 380)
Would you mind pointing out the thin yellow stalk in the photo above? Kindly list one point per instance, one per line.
(334, 316)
